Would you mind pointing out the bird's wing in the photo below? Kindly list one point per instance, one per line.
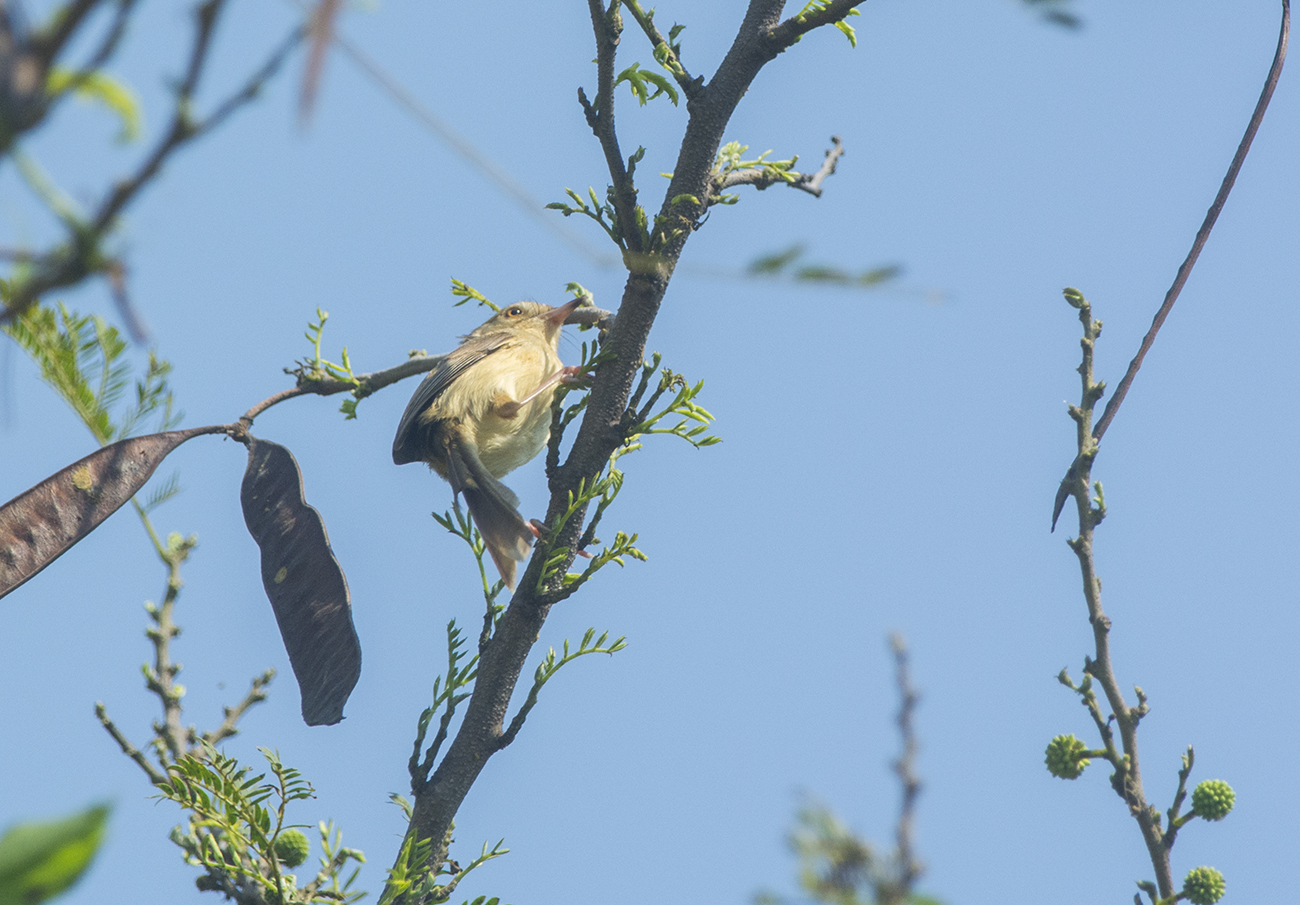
(410, 443)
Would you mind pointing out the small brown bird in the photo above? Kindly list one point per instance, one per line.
(484, 411)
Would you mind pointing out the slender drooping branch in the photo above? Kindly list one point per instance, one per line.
(1185, 269)
(1127, 776)
(606, 420)
(1203, 234)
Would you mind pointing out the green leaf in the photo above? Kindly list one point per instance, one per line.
(637, 78)
(97, 87)
(39, 859)
(775, 263)
(848, 31)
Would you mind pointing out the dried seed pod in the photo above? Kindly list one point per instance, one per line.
(38, 526)
(303, 580)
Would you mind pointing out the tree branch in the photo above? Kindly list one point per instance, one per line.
(230, 724)
(1203, 234)
(909, 867)
(80, 255)
(608, 25)
(794, 28)
(130, 750)
(47, 44)
(1127, 778)
(604, 423)
(663, 47)
(766, 177)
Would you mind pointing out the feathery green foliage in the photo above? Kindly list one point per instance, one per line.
(81, 357)
(235, 822)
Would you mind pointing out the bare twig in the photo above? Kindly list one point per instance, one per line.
(184, 127)
(1180, 279)
(608, 25)
(909, 867)
(63, 27)
(173, 739)
(1127, 779)
(765, 177)
(112, 38)
(812, 184)
(130, 750)
(1185, 269)
(230, 723)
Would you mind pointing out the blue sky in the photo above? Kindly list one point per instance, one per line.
(889, 461)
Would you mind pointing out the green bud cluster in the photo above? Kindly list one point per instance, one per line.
(1065, 758)
(1203, 886)
(291, 847)
(1213, 799)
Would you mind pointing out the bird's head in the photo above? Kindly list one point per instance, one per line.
(529, 319)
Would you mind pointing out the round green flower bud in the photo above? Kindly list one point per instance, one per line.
(1203, 886)
(291, 847)
(1213, 799)
(1065, 758)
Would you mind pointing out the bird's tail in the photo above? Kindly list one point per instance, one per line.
(494, 506)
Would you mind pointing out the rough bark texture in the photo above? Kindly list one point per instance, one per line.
(602, 428)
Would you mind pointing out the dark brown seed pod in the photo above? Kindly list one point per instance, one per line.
(303, 580)
(38, 526)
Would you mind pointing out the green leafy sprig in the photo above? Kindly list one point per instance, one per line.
(820, 6)
(552, 664)
(81, 358)
(467, 293)
(641, 81)
(318, 368)
(447, 695)
(235, 820)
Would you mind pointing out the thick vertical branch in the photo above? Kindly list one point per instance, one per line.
(604, 423)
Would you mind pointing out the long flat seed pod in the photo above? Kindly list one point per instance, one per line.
(38, 526)
(303, 581)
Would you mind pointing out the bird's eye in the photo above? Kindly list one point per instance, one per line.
(514, 312)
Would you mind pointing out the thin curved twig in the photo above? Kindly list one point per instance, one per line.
(1180, 279)
(1274, 72)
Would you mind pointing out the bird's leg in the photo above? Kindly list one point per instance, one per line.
(536, 526)
(509, 408)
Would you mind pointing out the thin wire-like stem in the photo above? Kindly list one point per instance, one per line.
(1203, 234)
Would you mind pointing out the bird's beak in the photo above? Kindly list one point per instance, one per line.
(557, 316)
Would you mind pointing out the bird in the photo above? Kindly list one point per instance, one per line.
(483, 411)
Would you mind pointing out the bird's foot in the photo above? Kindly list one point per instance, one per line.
(536, 526)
